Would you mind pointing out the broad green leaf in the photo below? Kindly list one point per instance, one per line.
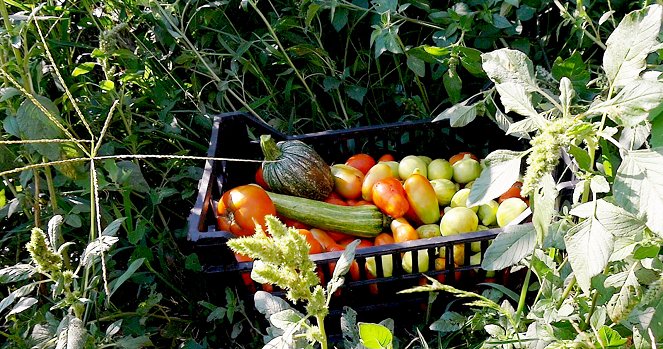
(589, 246)
(459, 115)
(8, 92)
(72, 334)
(17, 294)
(107, 85)
(130, 342)
(573, 68)
(34, 124)
(566, 95)
(656, 140)
(268, 304)
(285, 318)
(631, 106)
(598, 184)
(610, 338)
(115, 284)
(16, 273)
(543, 208)
(630, 43)
(452, 84)
(509, 247)
(634, 137)
(349, 327)
(515, 98)
(501, 22)
(638, 185)
(191, 262)
(356, 92)
(580, 156)
(97, 247)
(450, 321)
(345, 261)
(22, 305)
(501, 171)
(383, 6)
(417, 65)
(130, 175)
(621, 303)
(509, 66)
(523, 127)
(83, 68)
(375, 336)
(340, 19)
(113, 227)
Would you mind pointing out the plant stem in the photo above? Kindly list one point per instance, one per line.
(37, 208)
(567, 291)
(523, 295)
(321, 325)
(164, 280)
(591, 309)
(566, 14)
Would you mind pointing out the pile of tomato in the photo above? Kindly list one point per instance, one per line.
(425, 197)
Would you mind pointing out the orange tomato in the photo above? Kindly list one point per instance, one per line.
(389, 196)
(260, 180)
(386, 157)
(327, 243)
(375, 174)
(513, 192)
(358, 202)
(384, 239)
(460, 156)
(347, 181)
(242, 208)
(363, 243)
(422, 198)
(362, 162)
(337, 236)
(403, 231)
(246, 276)
(316, 247)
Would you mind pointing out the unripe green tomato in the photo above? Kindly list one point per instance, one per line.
(428, 231)
(458, 220)
(440, 169)
(444, 190)
(460, 199)
(409, 164)
(447, 209)
(387, 266)
(476, 245)
(393, 165)
(475, 259)
(422, 261)
(488, 212)
(426, 159)
(469, 185)
(509, 209)
(466, 170)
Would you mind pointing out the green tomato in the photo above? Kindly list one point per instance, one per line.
(440, 169)
(458, 220)
(426, 159)
(387, 266)
(466, 170)
(476, 245)
(428, 231)
(475, 259)
(509, 209)
(410, 164)
(460, 199)
(444, 190)
(393, 165)
(488, 212)
(422, 261)
(469, 185)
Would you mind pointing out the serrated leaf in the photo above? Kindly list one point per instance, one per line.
(613, 218)
(501, 171)
(515, 98)
(630, 43)
(450, 321)
(621, 304)
(375, 336)
(509, 66)
(32, 123)
(509, 247)
(16, 273)
(459, 115)
(115, 284)
(638, 185)
(589, 246)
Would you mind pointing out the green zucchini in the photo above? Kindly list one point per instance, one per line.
(363, 221)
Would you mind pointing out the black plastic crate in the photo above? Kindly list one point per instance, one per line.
(235, 135)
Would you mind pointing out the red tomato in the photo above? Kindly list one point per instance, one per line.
(358, 202)
(363, 243)
(513, 192)
(387, 157)
(260, 180)
(384, 239)
(316, 247)
(389, 196)
(460, 156)
(337, 236)
(336, 201)
(362, 162)
(242, 208)
(327, 243)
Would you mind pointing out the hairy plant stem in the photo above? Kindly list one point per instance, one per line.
(523, 296)
(321, 325)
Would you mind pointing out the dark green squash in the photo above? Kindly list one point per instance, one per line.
(294, 168)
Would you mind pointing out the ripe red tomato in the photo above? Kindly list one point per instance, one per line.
(260, 180)
(387, 157)
(389, 196)
(242, 208)
(362, 162)
(460, 156)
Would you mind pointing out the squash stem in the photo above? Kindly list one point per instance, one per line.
(269, 148)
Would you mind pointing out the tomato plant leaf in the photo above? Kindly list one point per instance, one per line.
(459, 115)
(375, 336)
(501, 171)
(509, 247)
(589, 246)
(638, 185)
(630, 43)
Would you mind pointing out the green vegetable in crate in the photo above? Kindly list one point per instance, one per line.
(362, 221)
(294, 168)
